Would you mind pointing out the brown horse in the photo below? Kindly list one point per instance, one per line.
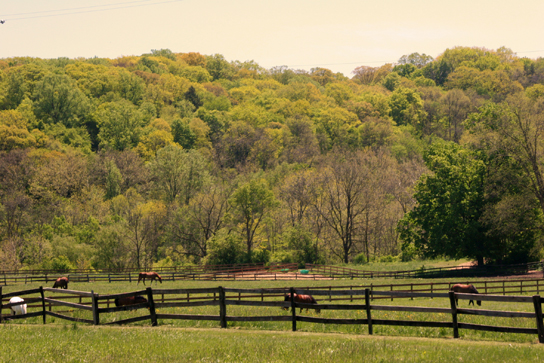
(304, 299)
(129, 300)
(61, 283)
(467, 289)
(149, 275)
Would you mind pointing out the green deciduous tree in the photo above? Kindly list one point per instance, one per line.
(250, 204)
(450, 204)
(58, 100)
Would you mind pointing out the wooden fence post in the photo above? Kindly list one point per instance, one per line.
(222, 308)
(96, 317)
(454, 314)
(539, 324)
(152, 312)
(293, 309)
(0, 304)
(368, 314)
(43, 304)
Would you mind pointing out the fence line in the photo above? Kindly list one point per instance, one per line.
(454, 271)
(238, 267)
(257, 271)
(224, 297)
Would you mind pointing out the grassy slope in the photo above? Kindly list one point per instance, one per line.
(74, 343)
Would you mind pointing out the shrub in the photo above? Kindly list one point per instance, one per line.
(409, 252)
(225, 249)
(61, 264)
(388, 258)
(360, 259)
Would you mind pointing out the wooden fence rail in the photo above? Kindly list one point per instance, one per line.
(224, 297)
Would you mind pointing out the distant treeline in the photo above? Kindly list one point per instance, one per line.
(169, 159)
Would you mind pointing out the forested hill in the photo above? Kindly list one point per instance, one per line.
(176, 158)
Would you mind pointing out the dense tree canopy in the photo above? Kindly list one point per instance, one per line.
(175, 158)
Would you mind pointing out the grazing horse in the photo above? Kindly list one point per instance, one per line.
(61, 283)
(129, 300)
(18, 309)
(149, 275)
(467, 289)
(304, 299)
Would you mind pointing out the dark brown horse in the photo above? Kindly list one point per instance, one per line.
(149, 275)
(304, 299)
(61, 283)
(129, 300)
(467, 289)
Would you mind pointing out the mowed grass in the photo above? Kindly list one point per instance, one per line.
(303, 327)
(75, 343)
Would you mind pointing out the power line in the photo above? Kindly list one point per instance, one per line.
(71, 12)
(70, 9)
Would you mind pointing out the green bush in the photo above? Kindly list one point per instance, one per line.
(388, 258)
(360, 259)
(409, 252)
(225, 249)
(61, 264)
(282, 257)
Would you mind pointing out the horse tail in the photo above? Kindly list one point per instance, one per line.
(116, 301)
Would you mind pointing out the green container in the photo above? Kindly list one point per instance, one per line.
(284, 270)
(304, 272)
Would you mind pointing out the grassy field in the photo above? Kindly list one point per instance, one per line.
(406, 266)
(304, 327)
(74, 343)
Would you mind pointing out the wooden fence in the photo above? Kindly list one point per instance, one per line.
(254, 272)
(238, 267)
(434, 272)
(224, 297)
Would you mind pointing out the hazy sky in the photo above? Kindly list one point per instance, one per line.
(340, 35)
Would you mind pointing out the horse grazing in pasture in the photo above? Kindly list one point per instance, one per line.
(61, 283)
(467, 289)
(304, 299)
(129, 300)
(149, 275)
(18, 309)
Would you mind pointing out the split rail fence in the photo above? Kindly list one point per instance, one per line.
(98, 305)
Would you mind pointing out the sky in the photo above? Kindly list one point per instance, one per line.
(302, 34)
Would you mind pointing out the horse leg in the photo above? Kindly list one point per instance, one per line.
(471, 302)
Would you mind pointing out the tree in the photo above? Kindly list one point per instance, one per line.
(346, 199)
(178, 173)
(58, 100)
(416, 59)
(250, 204)
(114, 179)
(121, 125)
(450, 204)
(183, 134)
(407, 107)
(516, 128)
(194, 224)
(455, 107)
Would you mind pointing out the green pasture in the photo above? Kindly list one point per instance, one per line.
(405, 266)
(76, 343)
(302, 327)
